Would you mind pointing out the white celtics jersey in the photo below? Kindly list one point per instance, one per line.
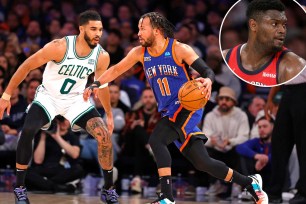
(68, 77)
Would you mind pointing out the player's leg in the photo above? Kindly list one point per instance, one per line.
(282, 143)
(298, 113)
(34, 121)
(92, 122)
(161, 137)
(196, 153)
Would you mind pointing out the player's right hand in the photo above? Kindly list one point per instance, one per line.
(4, 105)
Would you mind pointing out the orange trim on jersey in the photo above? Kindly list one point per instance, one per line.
(176, 113)
(21, 166)
(177, 62)
(186, 142)
(185, 123)
(143, 51)
(174, 55)
(162, 51)
(188, 138)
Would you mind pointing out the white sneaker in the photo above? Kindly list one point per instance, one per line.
(261, 196)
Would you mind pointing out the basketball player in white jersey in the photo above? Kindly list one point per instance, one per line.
(70, 61)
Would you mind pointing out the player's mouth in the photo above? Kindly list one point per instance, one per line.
(280, 39)
(96, 40)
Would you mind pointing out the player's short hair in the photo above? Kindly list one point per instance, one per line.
(89, 15)
(257, 7)
(160, 22)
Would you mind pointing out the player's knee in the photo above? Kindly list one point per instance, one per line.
(153, 142)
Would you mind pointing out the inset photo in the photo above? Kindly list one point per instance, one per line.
(264, 41)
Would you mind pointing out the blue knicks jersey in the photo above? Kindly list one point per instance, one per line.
(166, 75)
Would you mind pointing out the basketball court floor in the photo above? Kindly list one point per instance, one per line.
(8, 198)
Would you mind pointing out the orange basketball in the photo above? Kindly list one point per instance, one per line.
(191, 97)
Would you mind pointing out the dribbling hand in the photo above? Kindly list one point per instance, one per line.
(4, 105)
(206, 86)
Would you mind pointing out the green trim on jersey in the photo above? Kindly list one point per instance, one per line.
(36, 91)
(43, 107)
(66, 53)
(80, 115)
(75, 53)
(97, 57)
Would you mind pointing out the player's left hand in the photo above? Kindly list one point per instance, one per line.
(207, 83)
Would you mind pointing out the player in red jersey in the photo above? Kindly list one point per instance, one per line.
(263, 60)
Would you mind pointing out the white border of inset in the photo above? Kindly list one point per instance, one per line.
(304, 9)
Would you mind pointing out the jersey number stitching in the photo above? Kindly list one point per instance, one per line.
(67, 83)
(164, 86)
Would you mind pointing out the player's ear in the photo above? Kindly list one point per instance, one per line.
(156, 31)
(81, 28)
(252, 25)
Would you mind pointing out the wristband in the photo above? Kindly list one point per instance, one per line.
(6, 96)
(95, 84)
(103, 86)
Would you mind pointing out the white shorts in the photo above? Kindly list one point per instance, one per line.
(71, 107)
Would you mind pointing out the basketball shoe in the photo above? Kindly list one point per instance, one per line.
(109, 196)
(255, 189)
(162, 200)
(21, 195)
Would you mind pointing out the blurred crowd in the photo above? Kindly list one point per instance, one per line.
(233, 119)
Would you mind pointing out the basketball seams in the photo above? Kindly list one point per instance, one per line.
(191, 97)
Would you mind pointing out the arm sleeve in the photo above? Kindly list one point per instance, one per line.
(202, 68)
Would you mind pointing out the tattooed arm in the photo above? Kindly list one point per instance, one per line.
(98, 130)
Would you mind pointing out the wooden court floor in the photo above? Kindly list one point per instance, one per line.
(8, 198)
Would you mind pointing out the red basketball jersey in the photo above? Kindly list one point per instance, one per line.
(267, 75)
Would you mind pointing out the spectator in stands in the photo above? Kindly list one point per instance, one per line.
(222, 74)
(31, 89)
(113, 47)
(256, 153)
(53, 29)
(256, 104)
(34, 34)
(226, 127)
(115, 97)
(136, 133)
(55, 161)
(12, 124)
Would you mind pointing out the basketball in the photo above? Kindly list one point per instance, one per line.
(191, 97)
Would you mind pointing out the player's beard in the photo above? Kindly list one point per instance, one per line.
(88, 41)
(148, 42)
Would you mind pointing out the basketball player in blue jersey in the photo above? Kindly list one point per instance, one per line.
(164, 61)
(70, 61)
